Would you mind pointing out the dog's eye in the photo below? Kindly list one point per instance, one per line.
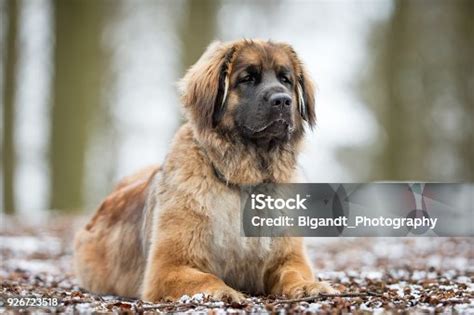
(247, 79)
(285, 79)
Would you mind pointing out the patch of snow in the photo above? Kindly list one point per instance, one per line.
(418, 275)
(218, 304)
(372, 275)
(450, 274)
(185, 299)
(399, 287)
(434, 261)
(33, 265)
(199, 297)
(84, 308)
(313, 308)
(465, 308)
(379, 310)
(460, 263)
(365, 307)
(27, 245)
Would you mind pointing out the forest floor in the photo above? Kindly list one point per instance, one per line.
(416, 275)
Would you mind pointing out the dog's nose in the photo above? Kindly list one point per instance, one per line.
(280, 100)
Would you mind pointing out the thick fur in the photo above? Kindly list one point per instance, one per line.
(174, 230)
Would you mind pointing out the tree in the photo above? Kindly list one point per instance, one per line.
(76, 92)
(418, 84)
(198, 29)
(9, 80)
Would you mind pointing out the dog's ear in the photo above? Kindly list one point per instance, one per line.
(205, 85)
(304, 89)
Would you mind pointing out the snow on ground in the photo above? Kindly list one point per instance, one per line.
(391, 274)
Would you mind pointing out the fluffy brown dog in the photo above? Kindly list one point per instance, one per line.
(175, 230)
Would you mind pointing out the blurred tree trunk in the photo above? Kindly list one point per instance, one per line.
(394, 124)
(465, 81)
(77, 73)
(9, 80)
(420, 84)
(198, 29)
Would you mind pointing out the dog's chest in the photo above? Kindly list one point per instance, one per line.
(238, 260)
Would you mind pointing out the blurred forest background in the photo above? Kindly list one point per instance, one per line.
(89, 95)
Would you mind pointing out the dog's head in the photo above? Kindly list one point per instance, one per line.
(257, 90)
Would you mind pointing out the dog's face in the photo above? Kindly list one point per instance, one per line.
(256, 90)
(262, 98)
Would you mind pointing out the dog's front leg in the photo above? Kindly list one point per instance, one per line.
(290, 275)
(173, 281)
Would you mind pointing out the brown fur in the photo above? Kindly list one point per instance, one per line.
(175, 230)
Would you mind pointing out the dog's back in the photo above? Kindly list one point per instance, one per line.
(110, 244)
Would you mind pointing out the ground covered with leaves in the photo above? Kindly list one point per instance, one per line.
(374, 275)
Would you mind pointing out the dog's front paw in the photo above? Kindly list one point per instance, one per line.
(225, 294)
(307, 288)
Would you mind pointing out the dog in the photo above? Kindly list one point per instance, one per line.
(174, 229)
